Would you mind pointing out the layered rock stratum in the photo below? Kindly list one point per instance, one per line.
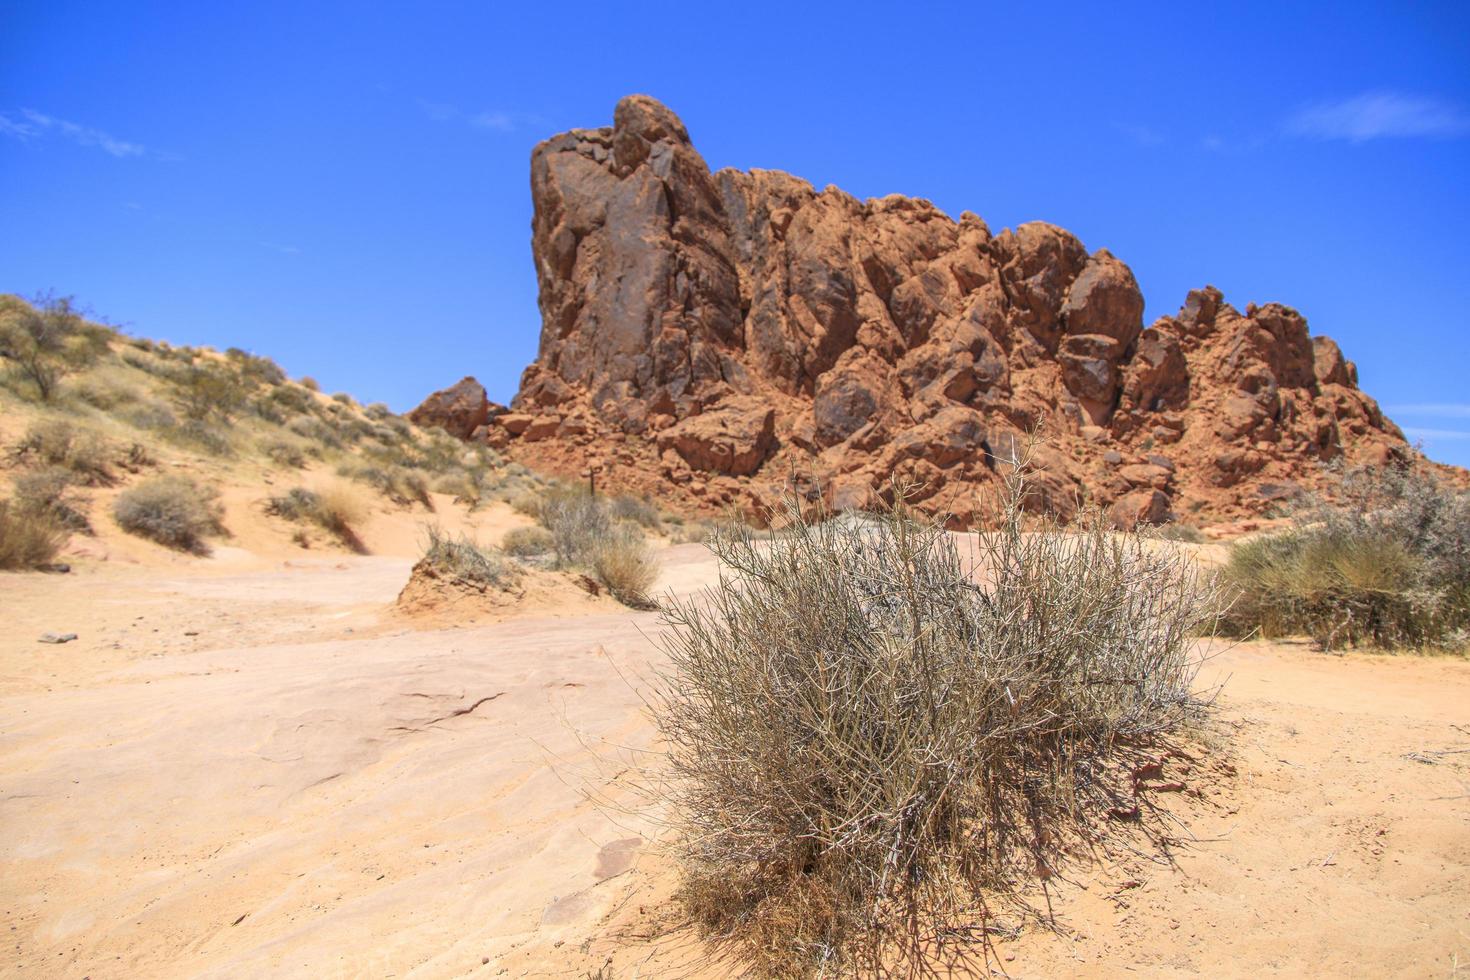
(714, 336)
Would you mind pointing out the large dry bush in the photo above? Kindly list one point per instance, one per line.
(29, 537)
(335, 508)
(866, 733)
(172, 510)
(586, 534)
(1384, 562)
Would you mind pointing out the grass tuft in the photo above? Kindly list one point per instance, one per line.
(172, 510)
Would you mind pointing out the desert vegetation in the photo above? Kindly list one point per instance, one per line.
(586, 532)
(462, 559)
(870, 738)
(174, 511)
(1384, 562)
(98, 410)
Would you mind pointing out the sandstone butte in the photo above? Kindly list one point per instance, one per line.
(711, 337)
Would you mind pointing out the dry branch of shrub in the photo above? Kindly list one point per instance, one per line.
(865, 738)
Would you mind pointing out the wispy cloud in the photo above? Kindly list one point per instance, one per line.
(1142, 135)
(1380, 115)
(32, 124)
(1444, 410)
(283, 249)
(443, 112)
(1436, 434)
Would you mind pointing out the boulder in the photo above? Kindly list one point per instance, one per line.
(733, 438)
(1139, 507)
(459, 409)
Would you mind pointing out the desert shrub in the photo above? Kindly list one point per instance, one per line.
(267, 410)
(526, 541)
(204, 392)
(283, 453)
(204, 437)
(527, 502)
(1385, 563)
(343, 398)
(254, 369)
(1187, 533)
(45, 341)
(623, 561)
(172, 510)
(865, 735)
(29, 538)
(290, 399)
(639, 510)
(578, 521)
(312, 428)
(464, 560)
(398, 485)
(377, 411)
(335, 509)
(58, 443)
(690, 532)
(52, 491)
(310, 383)
(151, 415)
(103, 394)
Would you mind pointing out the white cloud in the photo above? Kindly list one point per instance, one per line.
(34, 124)
(1379, 115)
(443, 112)
(1444, 410)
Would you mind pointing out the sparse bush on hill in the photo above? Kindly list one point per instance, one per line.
(522, 542)
(310, 384)
(1385, 564)
(45, 341)
(864, 735)
(283, 453)
(204, 392)
(584, 534)
(171, 510)
(29, 538)
(56, 442)
(464, 560)
(51, 491)
(312, 428)
(377, 411)
(403, 487)
(255, 369)
(204, 437)
(335, 509)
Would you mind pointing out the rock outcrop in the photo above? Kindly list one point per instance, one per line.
(717, 333)
(461, 410)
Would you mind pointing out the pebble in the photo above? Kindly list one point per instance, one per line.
(57, 637)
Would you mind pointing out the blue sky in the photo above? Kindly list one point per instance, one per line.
(345, 186)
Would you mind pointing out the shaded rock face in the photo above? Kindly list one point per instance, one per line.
(717, 332)
(458, 410)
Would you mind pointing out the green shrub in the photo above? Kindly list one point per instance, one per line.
(865, 736)
(205, 392)
(45, 341)
(312, 428)
(463, 560)
(377, 411)
(202, 437)
(254, 369)
(526, 541)
(151, 415)
(29, 538)
(105, 396)
(398, 485)
(172, 510)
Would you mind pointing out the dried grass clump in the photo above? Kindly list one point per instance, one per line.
(58, 443)
(623, 561)
(463, 560)
(864, 735)
(522, 542)
(578, 522)
(1385, 564)
(29, 538)
(639, 510)
(172, 510)
(336, 509)
(51, 491)
(284, 453)
(401, 486)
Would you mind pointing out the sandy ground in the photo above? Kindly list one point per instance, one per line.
(251, 766)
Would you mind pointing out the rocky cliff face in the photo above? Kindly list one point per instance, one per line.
(710, 334)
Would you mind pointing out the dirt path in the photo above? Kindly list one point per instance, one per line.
(286, 780)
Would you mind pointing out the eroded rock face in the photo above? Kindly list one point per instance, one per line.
(458, 410)
(717, 332)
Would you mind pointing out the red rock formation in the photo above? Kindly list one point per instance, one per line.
(719, 332)
(460, 410)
